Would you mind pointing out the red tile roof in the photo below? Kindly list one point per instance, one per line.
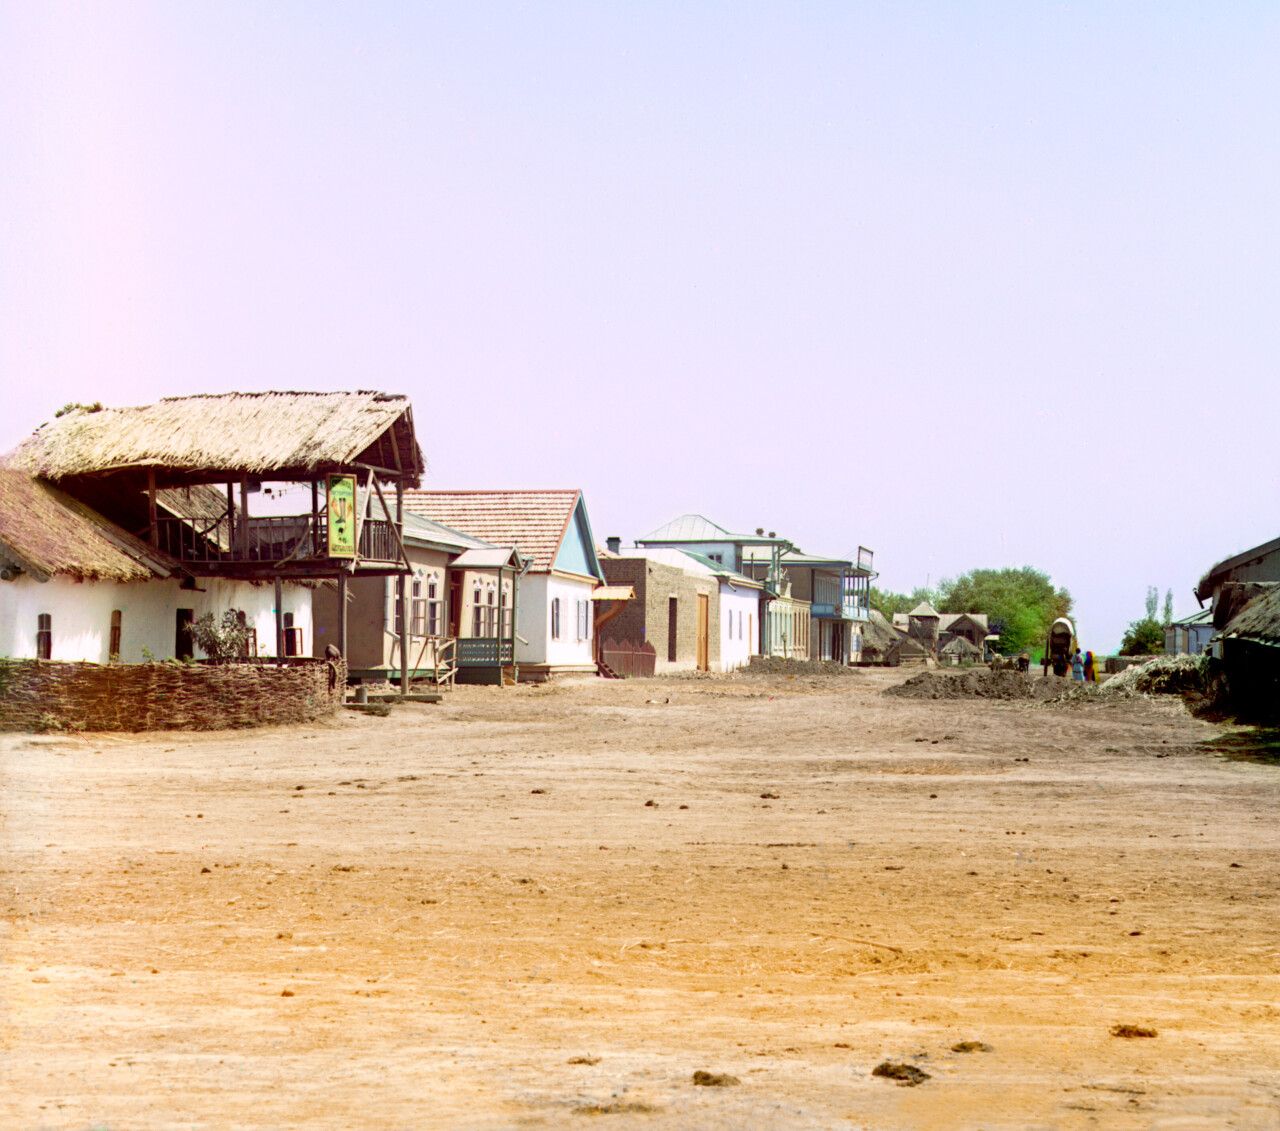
(533, 521)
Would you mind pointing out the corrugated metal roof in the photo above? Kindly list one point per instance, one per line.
(688, 528)
(532, 521)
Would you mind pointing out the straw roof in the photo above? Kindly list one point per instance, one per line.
(45, 533)
(1260, 618)
(214, 437)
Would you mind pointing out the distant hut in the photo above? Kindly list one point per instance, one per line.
(958, 651)
(922, 626)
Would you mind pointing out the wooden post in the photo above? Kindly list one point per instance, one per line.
(315, 519)
(231, 518)
(342, 614)
(244, 517)
(279, 623)
(404, 593)
(151, 506)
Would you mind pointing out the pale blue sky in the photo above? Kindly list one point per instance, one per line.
(970, 284)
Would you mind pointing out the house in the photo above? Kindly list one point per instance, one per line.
(838, 592)
(462, 592)
(1262, 563)
(695, 612)
(1190, 634)
(782, 620)
(177, 476)
(1249, 647)
(551, 533)
(971, 627)
(75, 586)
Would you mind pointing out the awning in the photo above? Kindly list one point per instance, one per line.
(613, 593)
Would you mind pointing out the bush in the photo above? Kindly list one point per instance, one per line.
(222, 643)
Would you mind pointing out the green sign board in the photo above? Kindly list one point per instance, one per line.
(342, 516)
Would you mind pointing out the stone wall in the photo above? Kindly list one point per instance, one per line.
(43, 695)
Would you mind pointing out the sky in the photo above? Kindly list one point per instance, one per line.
(971, 284)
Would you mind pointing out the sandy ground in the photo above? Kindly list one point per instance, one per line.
(549, 907)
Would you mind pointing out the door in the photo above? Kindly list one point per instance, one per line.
(182, 642)
(704, 632)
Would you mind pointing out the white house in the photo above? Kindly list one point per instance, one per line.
(77, 587)
(552, 535)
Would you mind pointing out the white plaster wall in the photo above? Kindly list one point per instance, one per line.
(81, 615)
(537, 591)
(736, 647)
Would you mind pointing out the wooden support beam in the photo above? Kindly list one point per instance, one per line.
(279, 622)
(151, 506)
(342, 614)
(404, 588)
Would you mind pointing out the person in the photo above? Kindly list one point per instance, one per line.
(1090, 672)
(1077, 666)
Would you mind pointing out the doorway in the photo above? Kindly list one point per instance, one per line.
(183, 645)
(704, 632)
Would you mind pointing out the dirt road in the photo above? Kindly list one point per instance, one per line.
(550, 907)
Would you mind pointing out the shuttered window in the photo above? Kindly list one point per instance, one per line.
(44, 636)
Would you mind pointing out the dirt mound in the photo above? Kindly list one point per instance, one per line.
(776, 665)
(980, 685)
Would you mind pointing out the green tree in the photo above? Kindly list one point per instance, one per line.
(1023, 602)
(889, 603)
(1145, 637)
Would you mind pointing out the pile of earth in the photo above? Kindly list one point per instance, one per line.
(980, 684)
(777, 665)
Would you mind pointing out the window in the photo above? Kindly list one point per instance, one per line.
(491, 615)
(292, 637)
(417, 615)
(44, 636)
(433, 607)
(555, 618)
(730, 624)
(504, 616)
(584, 620)
(394, 618)
(739, 624)
(673, 624)
(113, 649)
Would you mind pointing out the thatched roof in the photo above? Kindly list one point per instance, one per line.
(209, 438)
(1260, 618)
(45, 532)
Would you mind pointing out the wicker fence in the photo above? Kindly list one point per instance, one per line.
(44, 695)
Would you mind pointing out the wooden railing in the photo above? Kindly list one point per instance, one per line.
(267, 539)
(484, 651)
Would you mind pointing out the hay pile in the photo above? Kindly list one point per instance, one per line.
(1161, 675)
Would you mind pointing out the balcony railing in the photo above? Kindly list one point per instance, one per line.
(271, 539)
(848, 610)
(484, 651)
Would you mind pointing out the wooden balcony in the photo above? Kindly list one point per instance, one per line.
(288, 545)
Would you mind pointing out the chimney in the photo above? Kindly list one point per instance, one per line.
(773, 533)
(759, 531)
(614, 544)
